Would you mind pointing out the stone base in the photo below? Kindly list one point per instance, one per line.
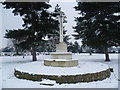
(61, 47)
(61, 55)
(85, 73)
(60, 63)
(61, 52)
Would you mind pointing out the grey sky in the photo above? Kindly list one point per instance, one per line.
(9, 21)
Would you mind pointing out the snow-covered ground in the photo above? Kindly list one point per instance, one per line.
(8, 79)
(0, 72)
(81, 69)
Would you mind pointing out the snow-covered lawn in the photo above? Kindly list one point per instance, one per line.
(8, 79)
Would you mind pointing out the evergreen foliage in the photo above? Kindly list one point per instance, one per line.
(98, 24)
(38, 23)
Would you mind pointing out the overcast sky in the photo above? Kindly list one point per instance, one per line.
(9, 21)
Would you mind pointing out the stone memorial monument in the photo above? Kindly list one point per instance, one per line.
(61, 58)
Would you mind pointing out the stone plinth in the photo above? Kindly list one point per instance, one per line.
(61, 55)
(61, 47)
(61, 58)
(60, 62)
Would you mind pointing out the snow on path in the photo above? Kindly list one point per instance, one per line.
(9, 81)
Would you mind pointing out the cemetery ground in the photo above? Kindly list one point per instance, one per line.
(8, 80)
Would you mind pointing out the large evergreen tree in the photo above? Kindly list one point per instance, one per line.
(38, 23)
(97, 24)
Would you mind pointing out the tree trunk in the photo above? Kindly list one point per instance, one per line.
(90, 51)
(17, 51)
(34, 53)
(107, 55)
